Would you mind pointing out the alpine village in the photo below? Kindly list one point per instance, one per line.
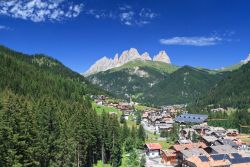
(124, 83)
(128, 111)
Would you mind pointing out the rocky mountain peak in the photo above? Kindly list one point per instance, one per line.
(162, 57)
(247, 59)
(145, 56)
(133, 52)
(128, 55)
(116, 59)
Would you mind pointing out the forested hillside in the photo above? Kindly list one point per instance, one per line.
(157, 83)
(46, 119)
(40, 75)
(182, 86)
(133, 78)
(232, 91)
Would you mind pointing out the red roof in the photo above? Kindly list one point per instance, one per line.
(153, 146)
(180, 147)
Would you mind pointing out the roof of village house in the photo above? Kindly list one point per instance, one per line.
(228, 142)
(194, 152)
(232, 131)
(224, 149)
(212, 128)
(184, 141)
(193, 118)
(234, 160)
(203, 161)
(210, 138)
(179, 147)
(153, 146)
(200, 127)
(168, 120)
(169, 152)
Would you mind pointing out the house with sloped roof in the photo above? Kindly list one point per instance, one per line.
(153, 150)
(218, 160)
(191, 118)
(209, 140)
(192, 152)
(221, 149)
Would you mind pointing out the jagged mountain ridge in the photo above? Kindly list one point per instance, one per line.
(159, 83)
(156, 82)
(132, 54)
(133, 78)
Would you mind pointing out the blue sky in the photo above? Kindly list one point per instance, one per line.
(207, 33)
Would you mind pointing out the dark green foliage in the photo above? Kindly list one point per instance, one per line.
(164, 134)
(125, 131)
(18, 133)
(234, 120)
(232, 91)
(172, 136)
(133, 159)
(46, 118)
(138, 117)
(133, 132)
(122, 119)
(141, 135)
(195, 137)
(158, 87)
(129, 144)
(182, 86)
(24, 76)
(143, 161)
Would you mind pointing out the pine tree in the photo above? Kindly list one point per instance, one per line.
(141, 135)
(125, 131)
(133, 132)
(49, 132)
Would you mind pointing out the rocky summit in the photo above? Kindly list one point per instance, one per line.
(246, 60)
(105, 63)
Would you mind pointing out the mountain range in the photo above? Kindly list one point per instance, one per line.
(128, 55)
(146, 81)
(157, 82)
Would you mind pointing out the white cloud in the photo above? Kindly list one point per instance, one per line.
(2, 27)
(127, 17)
(125, 14)
(147, 13)
(100, 14)
(192, 41)
(139, 17)
(40, 10)
(57, 10)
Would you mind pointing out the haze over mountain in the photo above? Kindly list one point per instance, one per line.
(105, 63)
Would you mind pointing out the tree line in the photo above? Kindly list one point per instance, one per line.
(46, 132)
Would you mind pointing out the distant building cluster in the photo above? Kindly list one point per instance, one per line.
(217, 147)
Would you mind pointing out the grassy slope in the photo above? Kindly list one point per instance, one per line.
(100, 108)
(163, 68)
